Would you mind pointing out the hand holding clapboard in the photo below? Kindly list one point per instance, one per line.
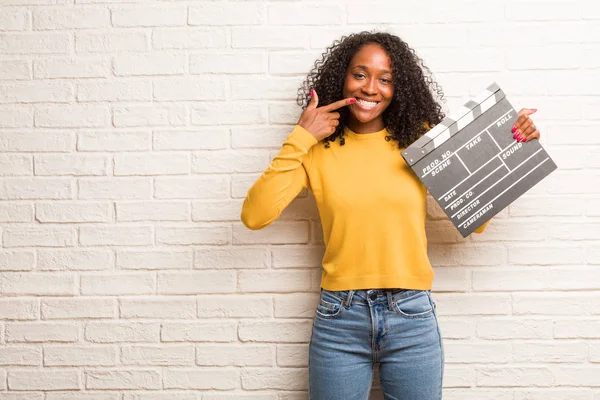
(480, 159)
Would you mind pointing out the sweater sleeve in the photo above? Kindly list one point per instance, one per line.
(281, 182)
(482, 227)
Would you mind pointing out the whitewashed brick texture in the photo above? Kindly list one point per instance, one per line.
(131, 130)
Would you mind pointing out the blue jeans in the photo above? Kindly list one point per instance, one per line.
(355, 329)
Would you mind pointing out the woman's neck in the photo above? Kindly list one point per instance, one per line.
(356, 126)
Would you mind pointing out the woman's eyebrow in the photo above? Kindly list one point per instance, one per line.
(385, 71)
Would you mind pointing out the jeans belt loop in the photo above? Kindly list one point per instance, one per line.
(389, 299)
(348, 301)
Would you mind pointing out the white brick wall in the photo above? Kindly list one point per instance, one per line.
(130, 131)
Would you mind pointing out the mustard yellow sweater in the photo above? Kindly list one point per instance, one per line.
(372, 208)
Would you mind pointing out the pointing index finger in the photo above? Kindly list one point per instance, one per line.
(338, 104)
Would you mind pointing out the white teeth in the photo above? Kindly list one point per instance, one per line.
(367, 103)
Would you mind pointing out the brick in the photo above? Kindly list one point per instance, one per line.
(122, 379)
(236, 257)
(279, 232)
(561, 255)
(232, 114)
(16, 165)
(82, 395)
(273, 281)
(290, 62)
(222, 355)
(38, 284)
(217, 211)
(17, 260)
(114, 188)
(240, 184)
(551, 11)
(42, 237)
(198, 331)
(305, 14)
(510, 279)
(469, 352)
(33, 379)
(577, 375)
(62, 212)
(15, 117)
(70, 164)
(503, 328)
(269, 37)
(158, 355)
(162, 395)
(117, 284)
(19, 309)
(292, 356)
(155, 259)
(548, 352)
(196, 38)
(149, 64)
(152, 164)
(115, 41)
(74, 259)
(37, 92)
(150, 115)
(472, 304)
(213, 234)
(220, 14)
(514, 376)
(20, 356)
(221, 161)
(115, 332)
(296, 256)
(16, 212)
(118, 91)
(284, 113)
(78, 308)
(79, 116)
(42, 332)
(188, 88)
(275, 378)
(272, 137)
(37, 141)
(576, 329)
(547, 206)
(71, 67)
(203, 139)
(201, 378)
(113, 141)
(457, 328)
(452, 279)
(14, 20)
(35, 43)
(295, 305)
(66, 356)
(149, 17)
(35, 188)
(245, 88)
(73, 18)
(15, 69)
(158, 307)
(234, 306)
(279, 331)
(153, 211)
(228, 63)
(197, 282)
(115, 236)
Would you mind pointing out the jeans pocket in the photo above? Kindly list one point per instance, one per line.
(417, 305)
(329, 305)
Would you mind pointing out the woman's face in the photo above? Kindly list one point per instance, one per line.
(369, 80)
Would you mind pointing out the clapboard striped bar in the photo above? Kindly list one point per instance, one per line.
(453, 123)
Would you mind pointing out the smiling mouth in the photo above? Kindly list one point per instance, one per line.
(366, 104)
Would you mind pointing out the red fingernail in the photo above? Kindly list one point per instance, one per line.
(352, 101)
(515, 136)
(312, 92)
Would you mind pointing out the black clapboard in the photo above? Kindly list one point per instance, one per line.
(472, 165)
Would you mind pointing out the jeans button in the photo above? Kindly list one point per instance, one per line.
(373, 296)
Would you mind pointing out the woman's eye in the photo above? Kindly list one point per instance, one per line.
(358, 76)
(386, 81)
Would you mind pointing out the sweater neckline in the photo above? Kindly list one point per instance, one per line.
(367, 136)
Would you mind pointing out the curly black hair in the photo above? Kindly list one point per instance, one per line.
(413, 110)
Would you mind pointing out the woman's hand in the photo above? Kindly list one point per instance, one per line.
(321, 122)
(524, 129)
